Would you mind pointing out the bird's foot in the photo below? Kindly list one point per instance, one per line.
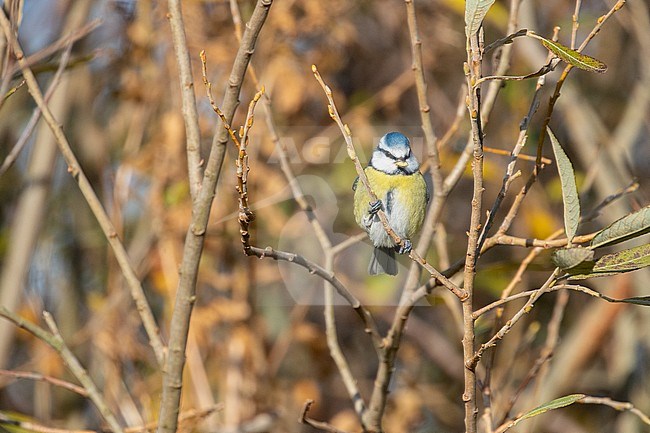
(405, 248)
(374, 207)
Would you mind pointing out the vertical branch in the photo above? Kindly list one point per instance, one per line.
(195, 237)
(421, 87)
(326, 245)
(438, 196)
(246, 216)
(190, 114)
(335, 350)
(473, 70)
(231, 97)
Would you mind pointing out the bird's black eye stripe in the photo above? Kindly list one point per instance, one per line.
(387, 153)
(391, 156)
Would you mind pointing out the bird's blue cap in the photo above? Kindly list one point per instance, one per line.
(396, 143)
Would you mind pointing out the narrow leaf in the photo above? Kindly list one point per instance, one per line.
(587, 273)
(569, 188)
(615, 263)
(624, 261)
(475, 11)
(638, 300)
(567, 258)
(628, 227)
(553, 404)
(573, 57)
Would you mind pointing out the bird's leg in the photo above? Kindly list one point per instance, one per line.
(406, 248)
(374, 207)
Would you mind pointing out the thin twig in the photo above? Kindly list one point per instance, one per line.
(347, 243)
(575, 24)
(188, 98)
(49, 379)
(549, 67)
(618, 405)
(337, 354)
(58, 45)
(36, 114)
(500, 239)
(558, 86)
(304, 419)
(137, 292)
(438, 195)
(453, 128)
(246, 216)
(55, 341)
(519, 156)
(421, 87)
(534, 296)
(552, 337)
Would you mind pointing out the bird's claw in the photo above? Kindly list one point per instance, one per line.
(374, 207)
(405, 248)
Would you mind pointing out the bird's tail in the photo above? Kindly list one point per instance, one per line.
(383, 261)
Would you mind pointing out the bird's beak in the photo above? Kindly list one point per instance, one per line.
(401, 164)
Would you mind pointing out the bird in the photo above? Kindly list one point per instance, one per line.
(393, 175)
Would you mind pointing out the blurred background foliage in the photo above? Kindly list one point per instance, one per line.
(257, 340)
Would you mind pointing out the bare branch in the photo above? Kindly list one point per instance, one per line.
(618, 405)
(304, 419)
(188, 98)
(49, 379)
(195, 237)
(137, 292)
(36, 114)
(55, 341)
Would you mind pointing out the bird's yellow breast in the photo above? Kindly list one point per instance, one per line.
(404, 198)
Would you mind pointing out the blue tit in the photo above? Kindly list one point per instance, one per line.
(394, 176)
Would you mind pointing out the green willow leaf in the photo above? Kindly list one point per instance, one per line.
(628, 227)
(475, 11)
(570, 56)
(616, 263)
(553, 404)
(574, 58)
(624, 261)
(569, 188)
(11, 422)
(567, 258)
